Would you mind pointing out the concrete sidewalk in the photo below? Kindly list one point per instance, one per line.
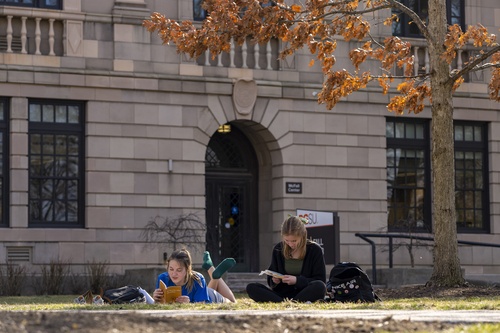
(451, 316)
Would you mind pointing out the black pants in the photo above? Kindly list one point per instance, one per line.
(314, 291)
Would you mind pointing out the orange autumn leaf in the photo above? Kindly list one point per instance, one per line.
(388, 21)
(457, 83)
(383, 82)
(296, 8)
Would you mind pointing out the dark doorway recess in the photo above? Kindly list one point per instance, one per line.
(231, 200)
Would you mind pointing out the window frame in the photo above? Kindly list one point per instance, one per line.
(413, 144)
(405, 19)
(5, 191)
(475, 147)
(53, 128)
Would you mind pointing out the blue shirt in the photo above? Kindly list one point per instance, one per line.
(199, 293)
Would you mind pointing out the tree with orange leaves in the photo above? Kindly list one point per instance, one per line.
(318, 25)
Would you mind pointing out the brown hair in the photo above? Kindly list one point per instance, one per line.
(183, 257)
(293, 226)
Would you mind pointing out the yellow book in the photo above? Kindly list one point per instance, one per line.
(170, 293)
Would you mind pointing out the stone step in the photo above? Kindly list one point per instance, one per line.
(238, 281)
(486, 279)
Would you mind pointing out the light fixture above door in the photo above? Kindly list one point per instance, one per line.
(226, 128)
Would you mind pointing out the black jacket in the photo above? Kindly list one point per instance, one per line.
(313, 268)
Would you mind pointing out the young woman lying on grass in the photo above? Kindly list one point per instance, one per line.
(194, 287)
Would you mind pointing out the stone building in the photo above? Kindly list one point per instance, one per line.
(103, 129)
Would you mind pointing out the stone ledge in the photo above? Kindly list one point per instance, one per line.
(397, 277)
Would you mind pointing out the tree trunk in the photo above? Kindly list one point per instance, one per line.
(447, 271)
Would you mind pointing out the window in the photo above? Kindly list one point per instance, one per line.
(471, 177)
(408, 176)
(455, 9)
(4, 155)
(52, 4)
(405, 26)
(199, 14)
(408, 180)
(56, 164)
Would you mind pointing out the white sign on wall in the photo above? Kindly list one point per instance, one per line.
(316, 218)
(323, 228)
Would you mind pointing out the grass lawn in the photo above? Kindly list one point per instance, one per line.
(65, 302)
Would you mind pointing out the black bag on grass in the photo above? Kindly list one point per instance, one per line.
(124, 295)
(349, 283)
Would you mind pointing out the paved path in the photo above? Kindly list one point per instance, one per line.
(452, 316)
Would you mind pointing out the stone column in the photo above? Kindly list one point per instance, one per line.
(19, 177)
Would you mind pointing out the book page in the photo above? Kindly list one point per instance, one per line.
(272, 273)
(170, 293)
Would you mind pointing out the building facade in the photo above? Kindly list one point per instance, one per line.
(105, 129)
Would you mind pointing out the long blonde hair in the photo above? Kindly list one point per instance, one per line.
(183, 257)
(293, 226)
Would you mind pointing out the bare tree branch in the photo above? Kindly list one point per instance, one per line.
(415, 18)
(175, 230)
(486, 66)
(473, 66)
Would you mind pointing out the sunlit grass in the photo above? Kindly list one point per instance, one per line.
(477, 328)
(65, 302)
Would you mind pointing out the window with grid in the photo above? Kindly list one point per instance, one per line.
(56, 164)
(4, 160)
(408, 176)
(471, 177)
(405, 27)
(408, 183)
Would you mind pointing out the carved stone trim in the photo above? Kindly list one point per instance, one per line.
(244, 96)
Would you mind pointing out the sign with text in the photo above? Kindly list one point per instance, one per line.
(294, 188)
(323, 228)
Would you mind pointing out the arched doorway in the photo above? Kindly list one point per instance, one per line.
(231, 179)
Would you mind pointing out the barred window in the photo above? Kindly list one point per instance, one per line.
(56, 164)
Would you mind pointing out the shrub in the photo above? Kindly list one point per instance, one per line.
(77, 283)
(52, 278)
(97, 275)
(12, 278)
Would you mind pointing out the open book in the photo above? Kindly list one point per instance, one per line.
(170, 293)
(272, 273)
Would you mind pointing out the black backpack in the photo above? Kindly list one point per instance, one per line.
(349, 283)
(124, 295)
